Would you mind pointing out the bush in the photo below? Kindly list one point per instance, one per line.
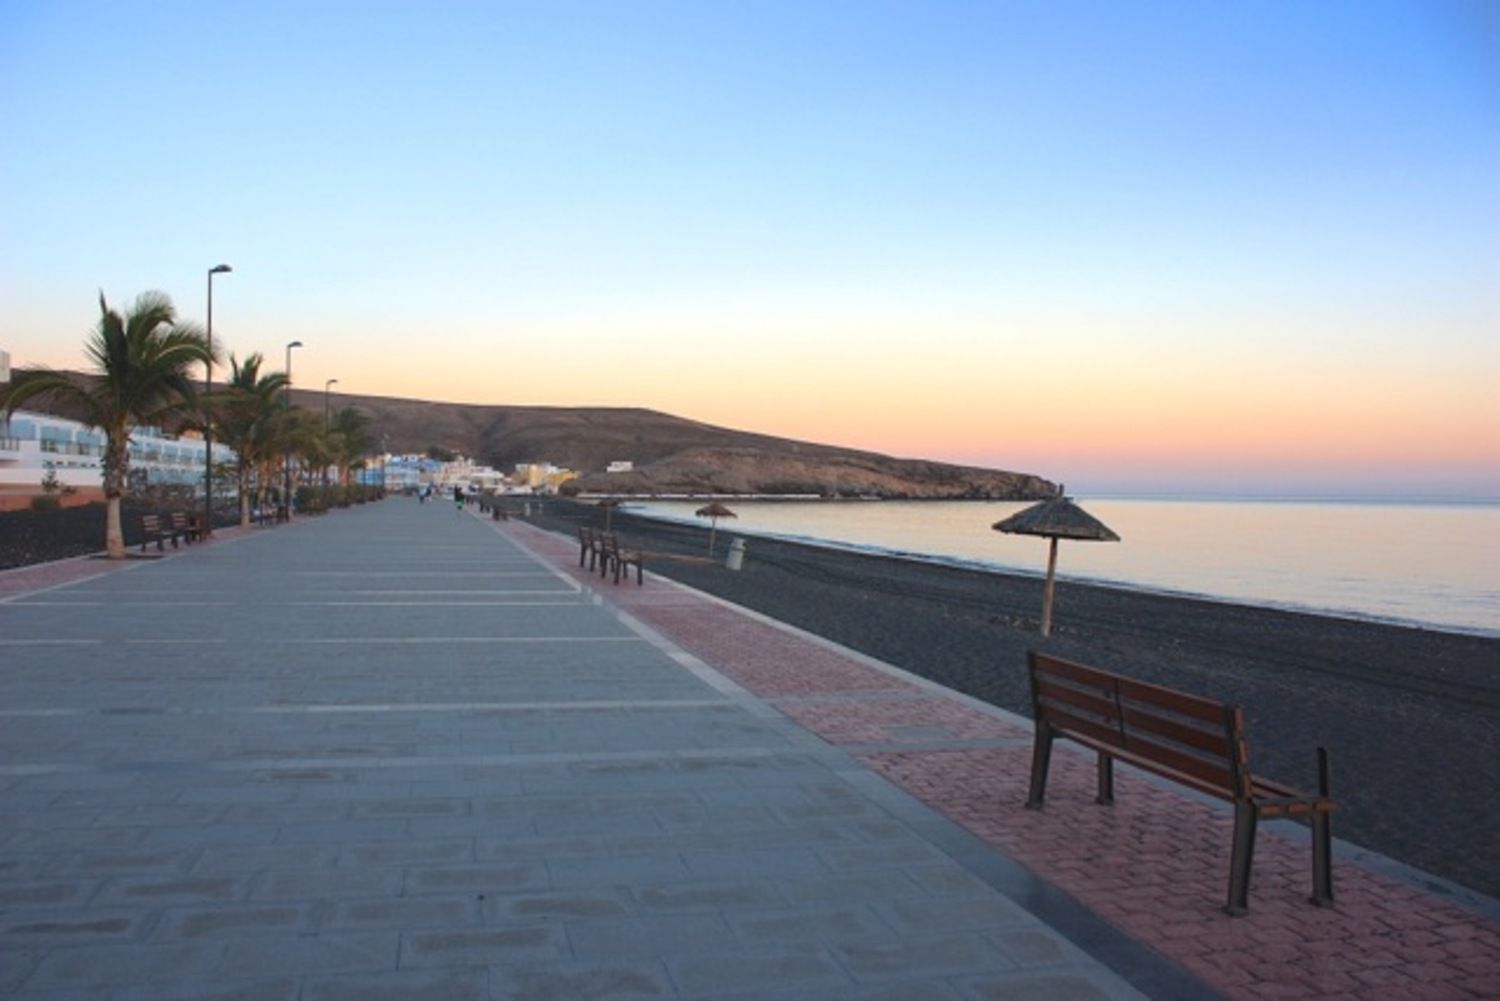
(46, 502)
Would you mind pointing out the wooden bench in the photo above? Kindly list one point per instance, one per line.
(1194, 741)
(188, 528)
(589, 547)
(613, 555)
(152, 531)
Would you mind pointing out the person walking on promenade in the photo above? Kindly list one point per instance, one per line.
(458, 497)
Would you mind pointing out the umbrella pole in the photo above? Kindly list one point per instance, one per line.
(713, 526)
(1047, 591)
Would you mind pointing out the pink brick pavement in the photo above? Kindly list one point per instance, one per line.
(1155, 864)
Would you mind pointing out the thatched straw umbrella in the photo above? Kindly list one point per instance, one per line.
(714, 512)
(609, 504)
(1058, 518)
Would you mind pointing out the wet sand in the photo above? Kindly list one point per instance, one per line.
(1410, 716)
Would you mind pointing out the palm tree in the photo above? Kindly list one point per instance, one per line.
(141, 361)
(350, 440)
(245, 417)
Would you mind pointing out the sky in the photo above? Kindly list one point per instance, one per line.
(1133, 247)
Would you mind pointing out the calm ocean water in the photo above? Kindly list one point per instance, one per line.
(1434, 565)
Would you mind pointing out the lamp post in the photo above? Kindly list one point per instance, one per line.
(208, 431)
(326, 386)
(286, 497)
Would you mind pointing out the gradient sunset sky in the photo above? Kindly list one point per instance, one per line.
(1150, 247)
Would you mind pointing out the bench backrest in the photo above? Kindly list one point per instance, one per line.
(1197, 741)
(179, 519)
(151, 524)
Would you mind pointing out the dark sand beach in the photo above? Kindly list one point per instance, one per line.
(1410, 716)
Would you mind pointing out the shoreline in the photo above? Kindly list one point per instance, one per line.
(1409, 714)
(981, 566)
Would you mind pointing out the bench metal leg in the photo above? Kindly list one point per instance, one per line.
(1041, 760)
(1245, 819)
(1322, 840)
(1106, 793)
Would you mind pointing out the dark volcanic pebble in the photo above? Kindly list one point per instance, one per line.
(1410, 716)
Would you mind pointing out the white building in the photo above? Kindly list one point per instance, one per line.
(33, 444)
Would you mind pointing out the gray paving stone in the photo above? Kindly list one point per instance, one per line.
(949, 880)
(559, 904)
(214, 834)
(1054, 986)
(617, 870)
(441, 985)
(176, 890)
(884, 855)
(16, 965)
(477, 879)
(405, 913)
(645, 937)
(326, 884)
(51, 894)
(707, 895)
(919, 915)
(944, 956)
(771, 862)
(583, 982)
(531, 847)
(256, 858)
(351, 952)
(164, 862)
(406, 807)
(802, 925)
(852, 887)
(404, 852)
(700, 975)
(234, 921)
(280, 989)
(482, 946)
(341, 830)
(73, 927)
(1032, 946)
(125, 965)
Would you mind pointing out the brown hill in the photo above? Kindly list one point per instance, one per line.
(670, 454)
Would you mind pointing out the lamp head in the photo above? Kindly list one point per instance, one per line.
(219, 269)
(294, 344)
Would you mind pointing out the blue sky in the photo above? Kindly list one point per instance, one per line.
(1142, 246)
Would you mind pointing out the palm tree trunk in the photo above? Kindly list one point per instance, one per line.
(244, 470)
(116, 467)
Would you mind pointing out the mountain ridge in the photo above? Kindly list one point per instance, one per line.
(670, 454)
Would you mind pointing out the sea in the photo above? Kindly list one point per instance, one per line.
(1425, 564)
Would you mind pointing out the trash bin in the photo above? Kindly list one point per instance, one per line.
(526, 508)
(736, 557)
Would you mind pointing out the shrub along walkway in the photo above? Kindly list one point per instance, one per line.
(398, 752)
(1153, 867)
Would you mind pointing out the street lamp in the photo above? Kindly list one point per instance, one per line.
(208, 387)
(286, 497)
(327, 384)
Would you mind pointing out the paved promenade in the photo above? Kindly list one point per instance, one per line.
(402, 752)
